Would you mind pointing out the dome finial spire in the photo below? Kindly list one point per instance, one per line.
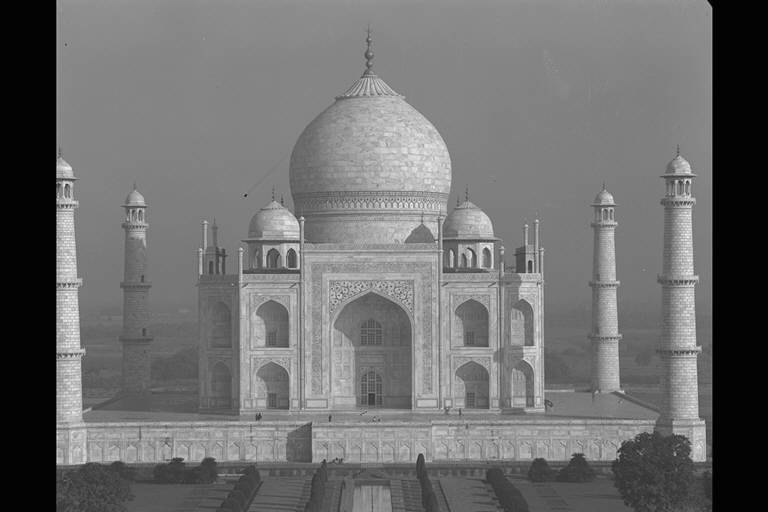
(369, 53)
(678, 150)
(466, 193)
(604, 185)
(273, 192)
(61, 155)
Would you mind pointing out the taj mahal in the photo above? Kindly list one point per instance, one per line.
(374, 294)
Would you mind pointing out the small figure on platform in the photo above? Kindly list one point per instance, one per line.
(459, 411)
(329, 418)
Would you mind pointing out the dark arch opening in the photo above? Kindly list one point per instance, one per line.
(372, 334)
(472, 386)
(272, 326)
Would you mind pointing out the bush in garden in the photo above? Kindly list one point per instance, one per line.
(208, 472)
(92, 487)
(577, 470)
(540, 471)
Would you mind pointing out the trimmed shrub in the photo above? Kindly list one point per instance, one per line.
(540, 471)
(420, 466)
(317, 488)
(232, 505)
(238, 496)
(577, 470)
(508, 495)
(208, 471)
(92, 487)
(122, 470)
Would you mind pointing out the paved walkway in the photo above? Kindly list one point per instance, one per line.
(282, 493)
(597, 496)
(465, 494)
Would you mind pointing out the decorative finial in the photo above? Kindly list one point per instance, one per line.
(134, 185)
(369, 53)
(282, 201)
(466, 193)
(60, 153)
(273, 192)
(604, 186)
(678, 150)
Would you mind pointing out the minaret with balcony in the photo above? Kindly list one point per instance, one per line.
(605, 324)
(135, 337)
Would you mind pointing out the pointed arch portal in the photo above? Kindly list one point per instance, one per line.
(372, 355)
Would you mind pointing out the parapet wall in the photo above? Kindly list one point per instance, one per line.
(554, 440)
(384, 442)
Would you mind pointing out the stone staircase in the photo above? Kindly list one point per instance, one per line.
(282, 494)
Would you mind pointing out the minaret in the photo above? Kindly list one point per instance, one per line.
(135, 338)
(605, 324)
(69, 354)
(678, 350)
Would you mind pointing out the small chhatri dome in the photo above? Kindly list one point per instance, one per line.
(63, 169)
(604, 198)
(467, 221)
(135, 198)
(679, 165)
(274, 221)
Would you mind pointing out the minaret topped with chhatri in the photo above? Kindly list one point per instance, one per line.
(678, 350)
(69, 353)
(605, 324)
(135, 338)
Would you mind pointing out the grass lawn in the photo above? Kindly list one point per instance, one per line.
(158, 497)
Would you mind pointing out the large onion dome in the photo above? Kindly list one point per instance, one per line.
(369, 168)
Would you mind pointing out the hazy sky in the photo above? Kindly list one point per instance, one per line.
(538, 102)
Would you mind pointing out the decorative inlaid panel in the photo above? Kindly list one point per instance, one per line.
(399, 290)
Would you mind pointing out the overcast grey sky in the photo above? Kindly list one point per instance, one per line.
(538, 102)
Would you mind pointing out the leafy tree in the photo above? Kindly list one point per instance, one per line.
(577, 470)
(92, 488)
(654, 473)
(540, 471)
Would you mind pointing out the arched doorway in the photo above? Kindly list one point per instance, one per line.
(471, 325)
(271, 387)
(371, 391)
(271, 325)
(221, 386)
(471, 386)
(522, 385)
(371, 355)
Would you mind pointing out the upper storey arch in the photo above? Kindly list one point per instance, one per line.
(521, 324)
(271, 326)
(471, 325)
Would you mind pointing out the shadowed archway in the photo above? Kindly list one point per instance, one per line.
(371, 355)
